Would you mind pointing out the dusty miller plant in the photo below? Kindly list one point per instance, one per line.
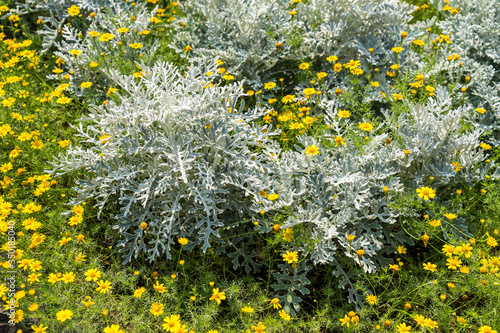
(476, 38)
(176, 153)
(339, 191)
(245, 33)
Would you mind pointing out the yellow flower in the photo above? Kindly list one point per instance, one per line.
(426, 193)
(352, 64)
(304, 66)
(425, 239)
(74, 10)
(64, 315)
(259, 328)
(86, 85)
(486, 329)
(288, 98)
(339, 140)
(453, 263)
(371, 299)
(449, 250)
(435, 223)
(430, 267)
(450, 216)
(171, 323)
(345, 321)
(63, 100)
(485, 146)
(138, 292)
(374, 84)
(365, 127)
(397, 96)
(111, 90)
(309, 91)
(106, 37)
(39, 329)
(397, 49)
(311, 150)
(491, 241)
(269, 85)
(218, 296)
(457, 166)
(287, 234)
(273, 196)
(75, 52)
(159, 287)
(113, 329)
(136, 45)
(104, 286)
(64, 143)
(285, 315)
(344, 114)
(156, 309)
(331, 58)
(183, 241)
(275, 303)
(394, 267)
(465, 249)
(418, 42)
(68, 277)
(247, 309)
(290, 257)
(420, 320)
(37, 144)
(88, 303)
(123, 30)
(321, 75)
(481, 110)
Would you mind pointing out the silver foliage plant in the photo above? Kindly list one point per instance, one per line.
(256, 38)
(339, 192)
(54, 24)
(176, 153)
(476, 38)
(109, 54)
(58, 10)
(63, 33)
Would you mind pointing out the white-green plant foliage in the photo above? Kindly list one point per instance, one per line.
(59, 15)
(244, 33)
(175, 159)
(339, 191)
(475, 33)
(108, 54)
(65, 33)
